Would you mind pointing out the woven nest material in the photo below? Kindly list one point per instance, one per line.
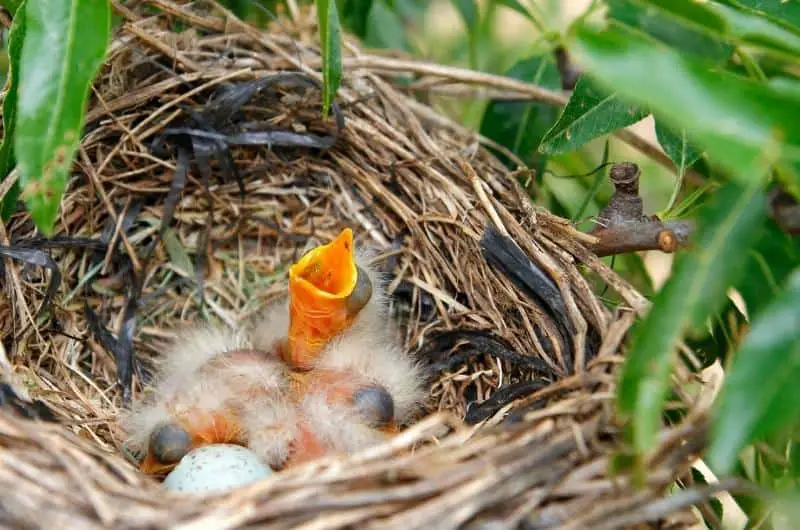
(526, 358)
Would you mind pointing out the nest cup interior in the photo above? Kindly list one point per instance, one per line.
(160, 227)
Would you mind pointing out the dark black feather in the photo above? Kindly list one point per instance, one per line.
(32, 410)
(501, 398)
(502, 253)
(38, 258)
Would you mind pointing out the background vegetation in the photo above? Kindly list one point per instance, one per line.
(715, 85)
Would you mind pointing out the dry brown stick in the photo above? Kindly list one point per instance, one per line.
(195, 20)
(463, 75)
(535, 92)
(5, 19)
(785, 210)
(624, 227)
(8, 182)
(666, 236)
(124, 11)
(176, 55)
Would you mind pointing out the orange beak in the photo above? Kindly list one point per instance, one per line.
(151, 466)
(325, 291)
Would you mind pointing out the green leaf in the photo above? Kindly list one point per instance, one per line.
(769, 263)
(468, 10)
(669, 31)
(12, 5)
(689, 12)
(757, 30)
(787, 12)
(59, 60)
(727, 22)
(697, 287)
(677, 147)
(385, 28)
(761, 389)
(591, 112)
(516, 6)
(7, 159)
(330, 37)
(720, 339)
(241, 8)
(740, 124)
(520, 126)
(177, 253)
(355, 15)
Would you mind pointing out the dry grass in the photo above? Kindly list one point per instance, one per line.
(409, 182)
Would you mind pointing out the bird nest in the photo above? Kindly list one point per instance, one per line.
(206, 169)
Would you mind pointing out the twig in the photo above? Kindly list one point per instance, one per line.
(176, 55)
(665, 236)
(623, 225)
(463, 75)
(535, 92)
(785, 210)
(8, 183)
(568, 70)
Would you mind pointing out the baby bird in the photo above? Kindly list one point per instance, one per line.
(321, 371)
(213, 387)
(354, 385)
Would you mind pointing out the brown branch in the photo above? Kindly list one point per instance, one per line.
(623, 225)
(666, 236)
(569, 71)
(534, 92)
(785, 210)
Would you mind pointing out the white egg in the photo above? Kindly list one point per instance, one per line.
(216, 467)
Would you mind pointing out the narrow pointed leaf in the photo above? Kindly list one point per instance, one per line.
(761, 390)
(748, 28)
(723, 21)
(330, 37)
(7, 158)
(468, 11)
(590, 113)
(177, 253)
(677, 147)
(355, 15)
(385, 28)
(689, 12)
(12, 5)
(787, 13)
(769, 264)
(59, 61)
(519, 8)
(730, 223)
(738, 123)
(669, 30)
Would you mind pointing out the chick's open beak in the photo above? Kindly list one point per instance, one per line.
(327, 290)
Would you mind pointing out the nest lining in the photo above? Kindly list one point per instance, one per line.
(534, 383)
